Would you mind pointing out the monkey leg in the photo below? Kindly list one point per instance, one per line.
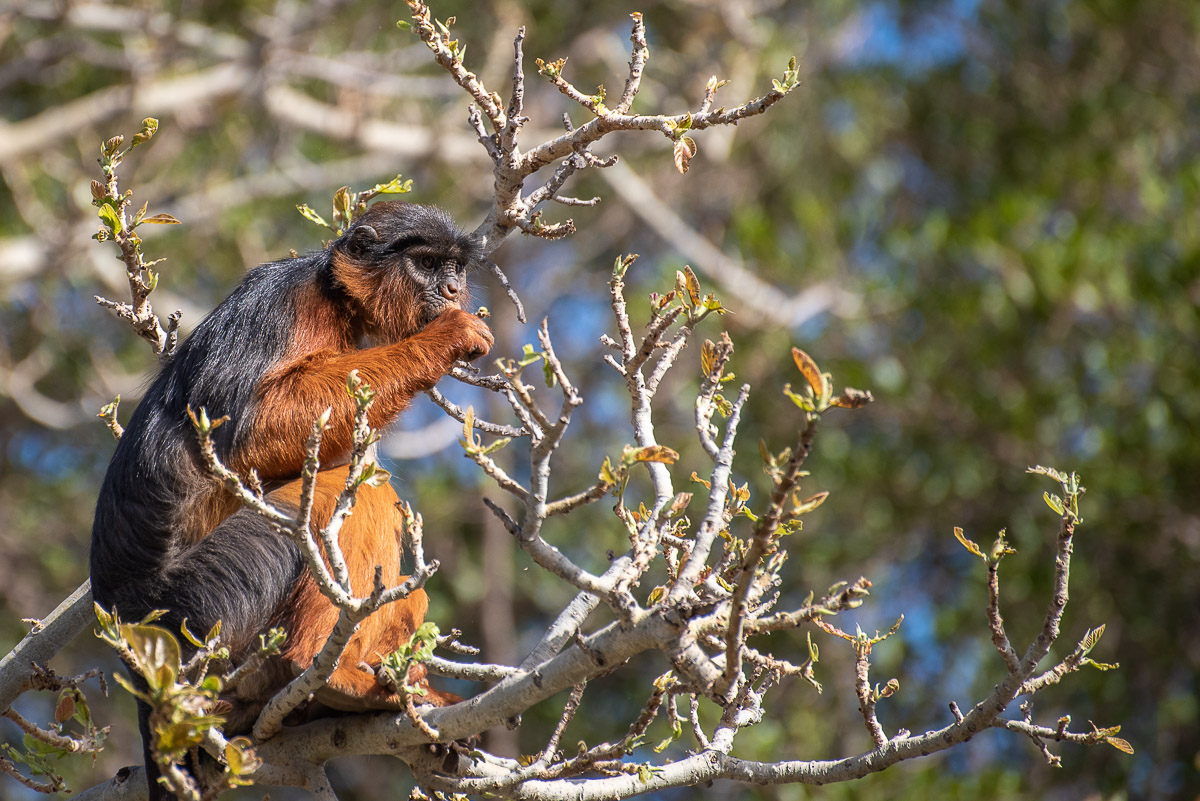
(238, 575)
(369, 539)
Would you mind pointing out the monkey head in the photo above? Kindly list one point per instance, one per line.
(402, 265)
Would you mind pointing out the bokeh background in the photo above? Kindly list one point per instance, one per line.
(985, 211)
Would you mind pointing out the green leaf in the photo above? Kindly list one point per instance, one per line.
(396, 186)
(110, 146)
(126, 685)
(791, 78)
(622, 264)
(711, 303)
(495, 446)
(155, 653)
(852, 398)
(469, 424)
(808, 368)
(149, 128)
(1049, 472)
(1120, 744)
(692, 284)
(1055, 503)
(359, 389)
(64, 710)
(109, 216)
(161, 219)
(528, 356)
(551, 69)
(312, 216)
(183, 735)
(187, 634)
(801, 401)
(708, 357)
(968, 544)
(606, 472)
(650, 453)
(1000, 549)
(341, 207)
(714, 84)
(242, 760)
(684, 151)
(1091, 638)
(676, 733)
(810, 504)
(233, 757)
(1102, 666)
(375, 476)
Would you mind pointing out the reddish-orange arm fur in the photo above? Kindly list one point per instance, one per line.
(302, 387)
(310, 379)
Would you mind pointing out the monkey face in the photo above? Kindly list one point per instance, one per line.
(438, 277)
(403, 264)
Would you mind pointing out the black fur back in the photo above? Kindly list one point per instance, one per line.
(138, 562)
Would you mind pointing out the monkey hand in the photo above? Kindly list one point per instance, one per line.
(467, 336)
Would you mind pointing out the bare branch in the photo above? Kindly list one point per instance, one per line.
(448, 57)
(54, 785)
(637, 63)
(508, 290)
(270, 720)
(46, 639)
(713, 520)
(472, 671)
(764, 534)
(996, 622)
(572, 502)
(866, 699)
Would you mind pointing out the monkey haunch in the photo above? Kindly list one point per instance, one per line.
(273, 356)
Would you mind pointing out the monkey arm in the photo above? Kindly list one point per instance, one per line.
(295, 393)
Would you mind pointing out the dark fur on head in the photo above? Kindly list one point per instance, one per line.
(422, 249)
(273, 356)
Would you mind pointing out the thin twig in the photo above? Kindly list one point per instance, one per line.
(764, 535)
(996, 622)
(460, 414)
(866, 697)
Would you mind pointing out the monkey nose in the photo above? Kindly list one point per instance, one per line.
(450, 290)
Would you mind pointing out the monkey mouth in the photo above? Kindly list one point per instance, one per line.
(434, 307)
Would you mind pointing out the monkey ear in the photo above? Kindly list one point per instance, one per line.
(359, 239)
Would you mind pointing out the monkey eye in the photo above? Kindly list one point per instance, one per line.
(427, 262)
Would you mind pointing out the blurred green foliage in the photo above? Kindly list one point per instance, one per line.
(1002, 192)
